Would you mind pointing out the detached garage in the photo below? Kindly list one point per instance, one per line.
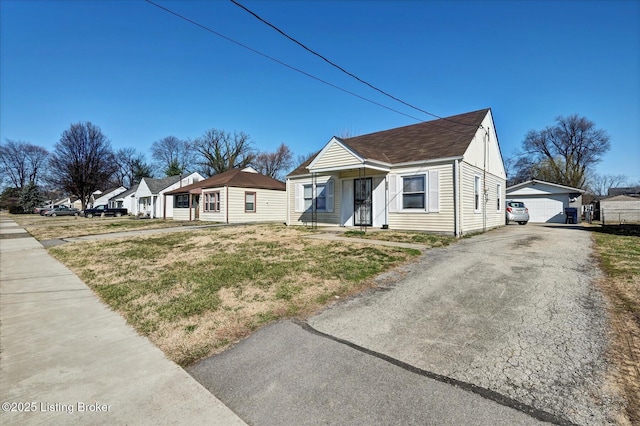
(546, 201)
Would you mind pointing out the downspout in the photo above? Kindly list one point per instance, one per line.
(385, 225)
(227, 203)
(164, 207)
(289, 201)
(484, 180)
(189, 206)
(456, 194)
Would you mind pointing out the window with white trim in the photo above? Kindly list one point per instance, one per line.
(498, 196)
(413, 192)
(323, 197)
(212, 202)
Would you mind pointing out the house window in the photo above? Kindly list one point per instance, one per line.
(250, 202)
(413, 192)
(308, 196)
(181, 201)
(321, 197)
(498, 195)
(212, 202)
(476, 193)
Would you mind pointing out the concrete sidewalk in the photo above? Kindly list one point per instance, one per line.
(66, 358)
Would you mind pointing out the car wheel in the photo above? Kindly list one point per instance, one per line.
(89, 215)
(118, 214)
(53, 214)
(507, 221)
(522, 223)
(75, 214)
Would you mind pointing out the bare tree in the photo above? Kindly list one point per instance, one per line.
(173, 156)
(83, 161)
(274, 164)
(565, 151)
(221, 151)
(21, 163)
(132, 167)
(599, 185)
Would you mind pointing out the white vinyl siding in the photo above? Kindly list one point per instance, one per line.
(299, 216)
(335, 156)
(474, 220)
(323, 194)
(440, 215)
(270, 206)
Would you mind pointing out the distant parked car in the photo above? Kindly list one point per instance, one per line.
(104, 210)
(517, 212)
(62, 211)
(44, 210)
(38, 210)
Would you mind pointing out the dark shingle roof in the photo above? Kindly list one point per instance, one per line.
(443, 138)
(156, 185)
(236, 178)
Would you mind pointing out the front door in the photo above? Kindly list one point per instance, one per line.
(362, 202)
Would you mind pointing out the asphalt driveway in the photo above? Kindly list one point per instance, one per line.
(502, 328)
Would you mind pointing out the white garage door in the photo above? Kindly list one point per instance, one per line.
(545, 209)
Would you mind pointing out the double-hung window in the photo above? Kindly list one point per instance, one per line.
(321, 195)
(498, 196)
(212, 202)
(413, 192)
(250, 202)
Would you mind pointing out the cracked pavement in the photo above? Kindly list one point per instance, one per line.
(514, 311)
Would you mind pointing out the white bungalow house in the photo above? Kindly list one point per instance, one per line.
(235, 196)
(103, 197)
(125, 199)
(149, 197)
(444, 176)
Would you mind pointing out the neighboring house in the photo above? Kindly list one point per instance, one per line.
(620, 209)
(125, 199)
(546, 201)
(235, 196)
(632, 191)
(104, 196)
(444, 176)
(149, 196)
(67, 201)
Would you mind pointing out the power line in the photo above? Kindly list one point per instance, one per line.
(264, 55)
(341, 68)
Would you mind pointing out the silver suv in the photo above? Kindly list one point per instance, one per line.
(517, 212)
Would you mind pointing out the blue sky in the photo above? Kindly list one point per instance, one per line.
(142, 74)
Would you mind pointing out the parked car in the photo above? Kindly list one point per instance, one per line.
(62, 211)
(39, 210)
(103, 209)
(517, 212)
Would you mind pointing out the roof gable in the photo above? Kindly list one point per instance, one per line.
(431, 140)
(534, 187)
(335, 153)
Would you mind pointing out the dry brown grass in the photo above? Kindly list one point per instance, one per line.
(194, 293)
(47, 228)
(619, 257)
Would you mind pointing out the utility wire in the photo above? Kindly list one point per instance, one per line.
(264, 55)
(341, 68)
